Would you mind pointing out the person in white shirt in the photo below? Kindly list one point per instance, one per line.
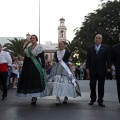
(5, 61)
(15, 72)
(20, 63)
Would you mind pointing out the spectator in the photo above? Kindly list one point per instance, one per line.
(15, 72)
(5, 61)
(113, 72)
(77, 70)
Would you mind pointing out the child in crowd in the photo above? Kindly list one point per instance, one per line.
(15, 73)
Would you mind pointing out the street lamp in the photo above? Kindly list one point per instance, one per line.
(39, 21)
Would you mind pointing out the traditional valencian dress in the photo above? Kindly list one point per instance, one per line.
(61, 82)
(31, 81)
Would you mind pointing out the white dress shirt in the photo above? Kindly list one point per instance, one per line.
(5, 58)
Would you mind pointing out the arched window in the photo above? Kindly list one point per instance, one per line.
(62, 34)
(62, 24)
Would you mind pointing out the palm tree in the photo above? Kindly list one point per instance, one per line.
(77, 49)
(71, 46)
(15, 47)
(82, 47)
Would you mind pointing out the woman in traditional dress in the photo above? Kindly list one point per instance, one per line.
(32, 81)
(61, 81)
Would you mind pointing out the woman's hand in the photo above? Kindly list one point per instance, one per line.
(108, 70)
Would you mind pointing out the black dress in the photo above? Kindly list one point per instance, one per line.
(31, 83)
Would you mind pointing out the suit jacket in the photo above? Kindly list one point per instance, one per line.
(116, 58)
(98, 63)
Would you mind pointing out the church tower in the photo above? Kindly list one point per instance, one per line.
(62, 30)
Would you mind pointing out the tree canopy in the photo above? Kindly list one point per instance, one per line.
(105, 21)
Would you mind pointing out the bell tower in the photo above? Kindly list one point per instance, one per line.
(62, 30)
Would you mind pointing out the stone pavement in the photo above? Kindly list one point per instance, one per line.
(19, 108)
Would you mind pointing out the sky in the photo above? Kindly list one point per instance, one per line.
(18, 17)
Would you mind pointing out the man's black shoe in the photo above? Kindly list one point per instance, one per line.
(91, 102)
(33, 100)
(101, 105)
(57, 104)
(4, 98)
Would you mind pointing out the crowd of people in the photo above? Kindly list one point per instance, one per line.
(32, 76)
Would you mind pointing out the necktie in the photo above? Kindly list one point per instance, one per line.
(97, 49)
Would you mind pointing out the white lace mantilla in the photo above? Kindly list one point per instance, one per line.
(37, 50)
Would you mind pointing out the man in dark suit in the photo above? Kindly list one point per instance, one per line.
(116, 62)
(98, 61)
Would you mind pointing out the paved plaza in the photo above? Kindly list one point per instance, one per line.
(19, 108)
